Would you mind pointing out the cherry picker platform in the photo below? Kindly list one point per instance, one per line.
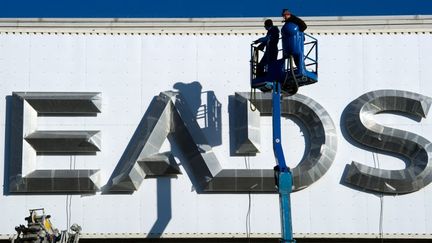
(297, 66)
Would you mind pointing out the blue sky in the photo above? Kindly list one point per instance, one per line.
(205, 8)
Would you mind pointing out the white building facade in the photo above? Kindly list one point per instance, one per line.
(122, 66)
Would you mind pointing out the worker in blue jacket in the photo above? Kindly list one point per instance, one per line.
(293, 38)
(270, 42)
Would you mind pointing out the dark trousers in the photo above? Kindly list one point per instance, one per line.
(265, 60)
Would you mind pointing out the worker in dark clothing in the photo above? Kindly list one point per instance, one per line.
(270, 42)
(293, 38)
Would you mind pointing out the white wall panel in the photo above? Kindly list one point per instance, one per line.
(129, 70)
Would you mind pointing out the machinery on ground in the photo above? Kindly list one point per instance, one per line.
(40, 230)
(282, 77)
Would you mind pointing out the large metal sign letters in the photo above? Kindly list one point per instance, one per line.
(416, 149)
(170, 116)
(25, 142)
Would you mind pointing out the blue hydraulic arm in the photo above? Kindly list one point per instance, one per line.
(283, 174)
(281, 76)
(276, 118)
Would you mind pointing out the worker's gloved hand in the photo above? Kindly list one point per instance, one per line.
(255, 41)
(261, 47)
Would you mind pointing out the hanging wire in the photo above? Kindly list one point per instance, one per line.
(67, 196)
(70, 200)
(72, 166)
(252, 99)
(254, 60)
(381, 217)
(291, 67)
(248, 213)
(381, 197)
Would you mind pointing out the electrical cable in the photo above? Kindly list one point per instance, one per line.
(248, 213)
(253, 90)
(381, 197)
(70, 202)
(72, 166)
(252, 99)
(291, 62)
(381, 217)
(67, 198)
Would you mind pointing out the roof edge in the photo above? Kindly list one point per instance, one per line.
(316, 24)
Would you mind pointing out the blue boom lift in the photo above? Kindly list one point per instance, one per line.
(282, 77)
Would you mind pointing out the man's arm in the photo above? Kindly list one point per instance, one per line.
(262, 42)
(299, 22)
(264, 39)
